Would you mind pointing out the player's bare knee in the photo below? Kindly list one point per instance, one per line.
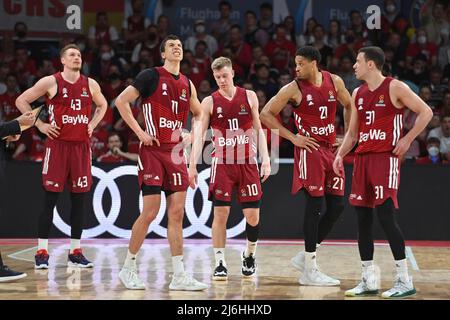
(252, 216)
(147, 216)
(176, 214)
(221, 215)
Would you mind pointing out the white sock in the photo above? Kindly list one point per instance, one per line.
(74, 244)
(368, 266)
(42, 244)
(402, 269)
(251, 248)
(219, 255)
(130, 260)
(310, 260)
(177, 265)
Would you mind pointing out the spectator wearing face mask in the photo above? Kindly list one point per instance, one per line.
(201, 35)
(102, 64)
(434, 156)
(151, 43)
(422, 46)
(443, 134)
(418, 74)
(434, 19)
(390, 15)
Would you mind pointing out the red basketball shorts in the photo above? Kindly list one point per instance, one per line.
(225, 178)
(376, 177)
(67, 161)
(314, 172)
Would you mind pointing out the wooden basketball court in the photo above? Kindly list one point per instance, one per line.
(429, 264)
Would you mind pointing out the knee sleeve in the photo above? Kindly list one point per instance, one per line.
(311, 221)
(388, 221)
(365, 237)
(252, 232)
(335, 206)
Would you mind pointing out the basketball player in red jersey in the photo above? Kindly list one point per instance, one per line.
(167, 96)
(376, 125)
(315, 94)
(232, 112)
(67, 149)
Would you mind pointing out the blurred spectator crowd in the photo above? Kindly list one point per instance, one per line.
(263, 59)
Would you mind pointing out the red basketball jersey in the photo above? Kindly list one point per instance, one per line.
(380, 122)
(167, 109)
(314, 116)
(70, 109)
(232, 125)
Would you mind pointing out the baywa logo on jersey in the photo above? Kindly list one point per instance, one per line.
(243, 110)
(331, 98)
(183, 95)
(84, 92)
(360, 103)
(65, 93)
(380, 101)
(309, 99)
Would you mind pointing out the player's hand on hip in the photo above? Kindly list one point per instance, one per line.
(308, 143)
(13, 138)
(90, 129)
(402, 147)
(338, 166)
(186, 139)
(338, 142)
(147, 139)
(265, 170)
(51, 131)
(26, 119)
(193, 177)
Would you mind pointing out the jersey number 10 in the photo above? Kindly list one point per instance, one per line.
(234, 125)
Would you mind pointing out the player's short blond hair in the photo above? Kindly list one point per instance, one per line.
(221, 62)
(69, 46)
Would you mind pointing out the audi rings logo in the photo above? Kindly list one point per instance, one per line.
(107, 180)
